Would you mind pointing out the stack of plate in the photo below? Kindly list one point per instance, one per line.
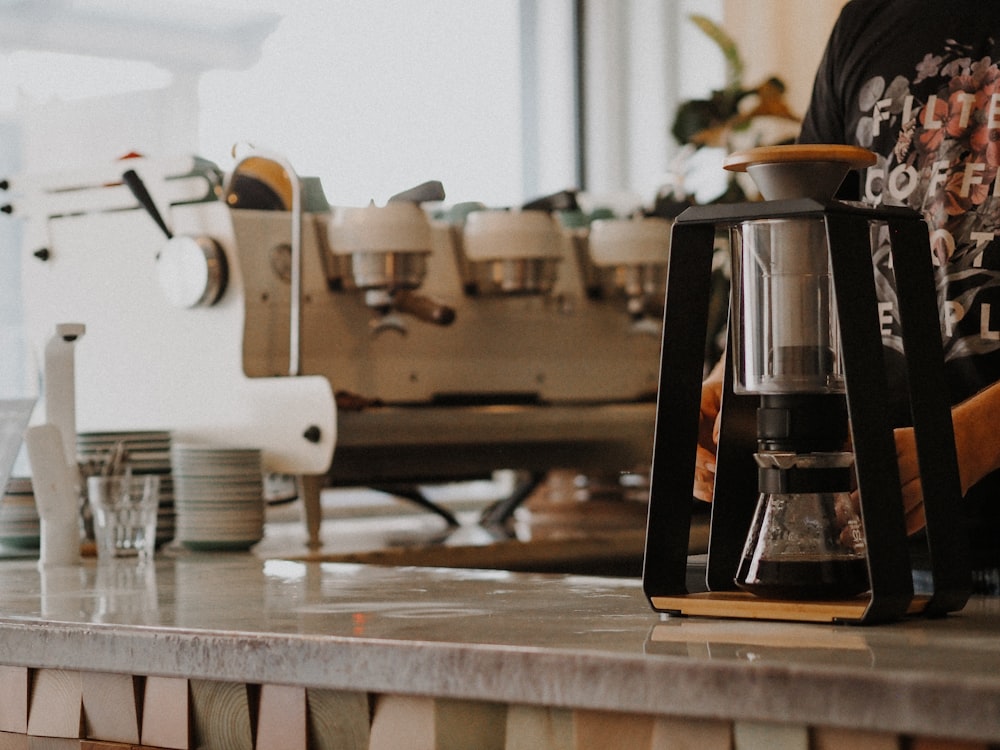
(146, 452)
(19, 524)
(219, 496)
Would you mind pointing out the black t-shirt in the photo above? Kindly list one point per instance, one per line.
(918, 83)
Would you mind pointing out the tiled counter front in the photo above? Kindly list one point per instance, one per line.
(228, 651)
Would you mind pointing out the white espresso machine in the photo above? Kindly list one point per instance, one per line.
(382, 346)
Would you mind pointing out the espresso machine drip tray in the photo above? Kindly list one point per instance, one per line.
(431, 443)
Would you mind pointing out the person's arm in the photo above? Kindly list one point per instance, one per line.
(977, 435)
(977, 445)
(708, 433)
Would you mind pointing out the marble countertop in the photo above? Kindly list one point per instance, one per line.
(553, 640)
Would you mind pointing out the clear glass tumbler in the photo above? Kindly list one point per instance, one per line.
(124, 508)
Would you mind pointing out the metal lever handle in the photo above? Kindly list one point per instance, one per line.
(425, 192)
(138, 188)
(424, 308)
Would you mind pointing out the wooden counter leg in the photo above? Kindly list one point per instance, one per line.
(56, 705)
(683, 733)
(110, 707)
(595, 730)
(421, 723)
(403, 721)
(220, 715)
(533, 727)
(462, 724)
(281, 718)
(166, 713)
(828, 738)
(14, 699)
(310, 488)
(58, 743)
(754, 735)
(338, 719)
(934, 743)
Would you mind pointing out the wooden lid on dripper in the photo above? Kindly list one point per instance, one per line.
(799, 170)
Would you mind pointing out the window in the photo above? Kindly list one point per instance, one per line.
(641, 57)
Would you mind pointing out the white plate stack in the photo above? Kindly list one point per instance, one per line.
(219, 496)
(146, 452)
(19, 524)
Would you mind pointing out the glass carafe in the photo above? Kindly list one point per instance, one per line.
(804, 545)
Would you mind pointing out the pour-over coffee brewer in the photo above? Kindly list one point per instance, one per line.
(807, 518)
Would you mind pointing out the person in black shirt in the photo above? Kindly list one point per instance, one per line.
(918, 83)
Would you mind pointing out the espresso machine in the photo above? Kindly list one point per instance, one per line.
(386, 346)
(807, 513)
(629, 256)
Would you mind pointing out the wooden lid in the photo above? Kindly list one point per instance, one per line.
(854, 157)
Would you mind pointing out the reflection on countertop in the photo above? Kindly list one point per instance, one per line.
(568, 524)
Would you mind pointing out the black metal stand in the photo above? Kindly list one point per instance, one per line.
(685, 318)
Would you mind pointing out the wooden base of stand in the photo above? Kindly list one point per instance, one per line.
(741, 605)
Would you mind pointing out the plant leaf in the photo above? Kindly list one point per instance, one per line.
(734, 63)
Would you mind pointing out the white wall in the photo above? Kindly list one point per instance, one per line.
(12, 344)
(59, 135)
(784, 38)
